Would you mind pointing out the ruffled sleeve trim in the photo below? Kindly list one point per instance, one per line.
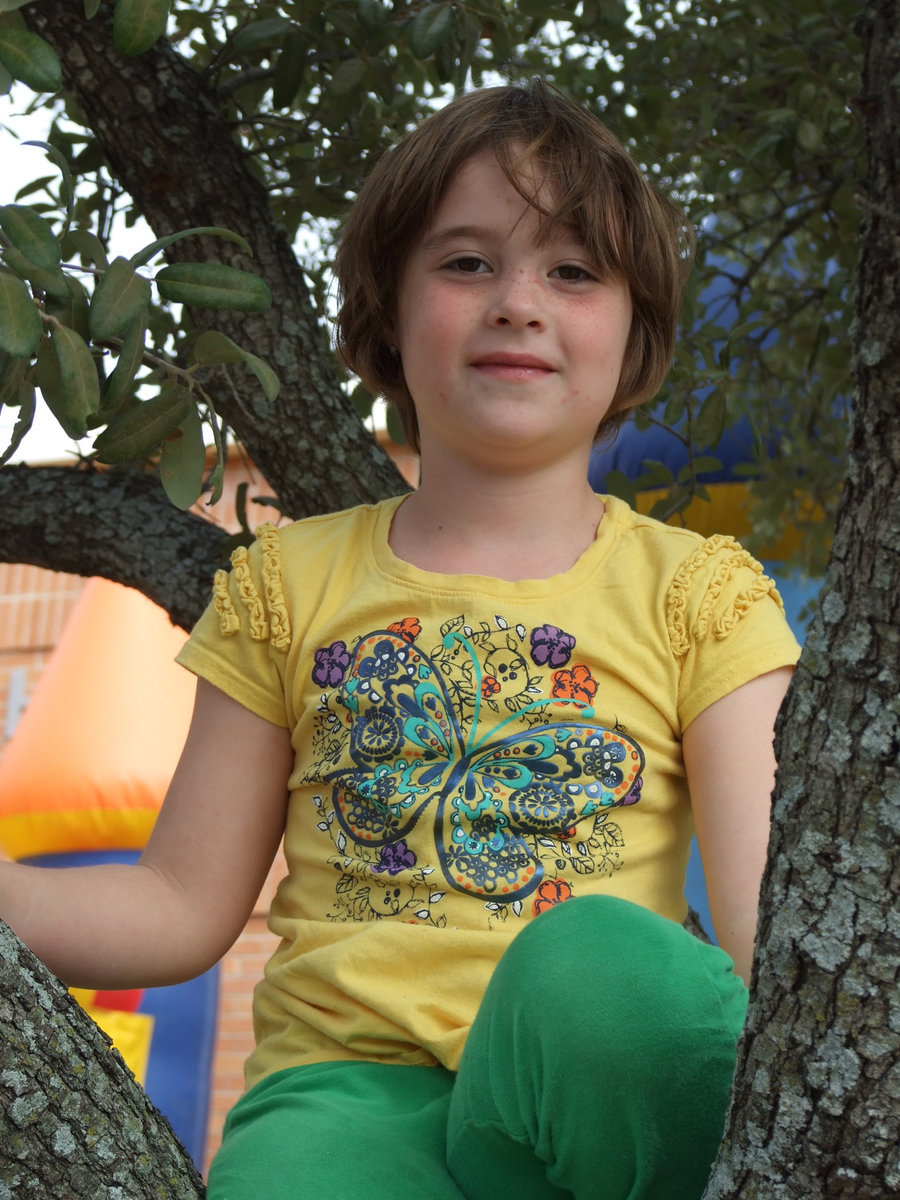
(236, 594)
(272, 585)
(714, 616)
(229, 621)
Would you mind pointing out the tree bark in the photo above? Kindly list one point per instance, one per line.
(816, 1105)
(118, 524)
(75, 1124)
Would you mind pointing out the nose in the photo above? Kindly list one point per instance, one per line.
(516, 301)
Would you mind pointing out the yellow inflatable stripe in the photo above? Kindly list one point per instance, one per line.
(23, 835)
(726, 511)
(131, 1033)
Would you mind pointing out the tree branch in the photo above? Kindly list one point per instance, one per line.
(118, 524)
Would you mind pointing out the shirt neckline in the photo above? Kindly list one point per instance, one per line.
(395, 568)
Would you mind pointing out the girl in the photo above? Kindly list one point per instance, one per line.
(498, 699)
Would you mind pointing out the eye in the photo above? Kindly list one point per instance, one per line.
(466, 264)
(573, 273)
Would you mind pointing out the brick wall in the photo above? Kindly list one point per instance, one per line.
(34, 607)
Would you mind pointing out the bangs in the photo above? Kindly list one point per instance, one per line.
(571, 195)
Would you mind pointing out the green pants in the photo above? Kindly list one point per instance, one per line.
(598, 1068)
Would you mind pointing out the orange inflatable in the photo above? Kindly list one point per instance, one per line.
(90, 761)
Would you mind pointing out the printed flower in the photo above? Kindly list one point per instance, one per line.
(409, 628)
(395, 857)
(600, 763)
(489, 687)
(331, 664)
(540, 807)
(550, 892)
(383, 662)
(381, 786)
(551, 646)
(577, 684)
(377, 734)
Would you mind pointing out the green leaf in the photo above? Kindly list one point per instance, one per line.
(657, 474)
(79, 385)
(119, 384)
(213, 348)
(429, 28)
(36, 185)
(183, 460)
(137, 24)
(362, 400)
(26, 401)
(11, 379)
(11, 5)
(138, 432)
(73, 309)
(62, 162)
(53, 282)
(143, 256)
(31, 234)
(373, 15)
(20, 321)
(289, 68)
(348, 76)
(30, 59)
(213, 285)
(120, 298)
(87, 246)
(395, 426)
(809, 135)
(617, 483)
(91, 8)
(709, 423)
(261, 33)
(216, 483)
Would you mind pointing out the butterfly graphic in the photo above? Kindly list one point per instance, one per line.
(490, 798)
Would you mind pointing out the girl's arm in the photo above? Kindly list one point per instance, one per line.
(175, 912)
(730, 764)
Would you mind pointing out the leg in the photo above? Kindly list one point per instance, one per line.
(600, 1063)
(336, 1131)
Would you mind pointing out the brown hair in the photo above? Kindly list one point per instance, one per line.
(628, 228)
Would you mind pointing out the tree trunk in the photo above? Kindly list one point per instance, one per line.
(816, 1104)
(172, 149)
(76, 1126)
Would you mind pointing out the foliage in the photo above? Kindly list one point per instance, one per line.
(741, 108)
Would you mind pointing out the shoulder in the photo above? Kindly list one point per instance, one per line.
(705, 586)
(330, 529)
(649, 540)
(287, 567)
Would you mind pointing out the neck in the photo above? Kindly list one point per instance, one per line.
(509, 527)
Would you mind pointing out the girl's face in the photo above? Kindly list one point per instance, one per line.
(512, 349)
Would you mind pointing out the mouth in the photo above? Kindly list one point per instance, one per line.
(508, 365)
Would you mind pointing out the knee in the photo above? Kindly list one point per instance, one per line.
(625, 977)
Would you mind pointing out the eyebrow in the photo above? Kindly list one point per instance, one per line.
(455, 233)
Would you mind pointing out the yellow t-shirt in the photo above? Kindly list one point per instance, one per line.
(468, 751)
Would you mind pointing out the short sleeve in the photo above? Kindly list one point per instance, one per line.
(241, 640)
(726, 624)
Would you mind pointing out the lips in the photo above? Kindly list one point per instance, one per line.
(510, 365)
(509, 359)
